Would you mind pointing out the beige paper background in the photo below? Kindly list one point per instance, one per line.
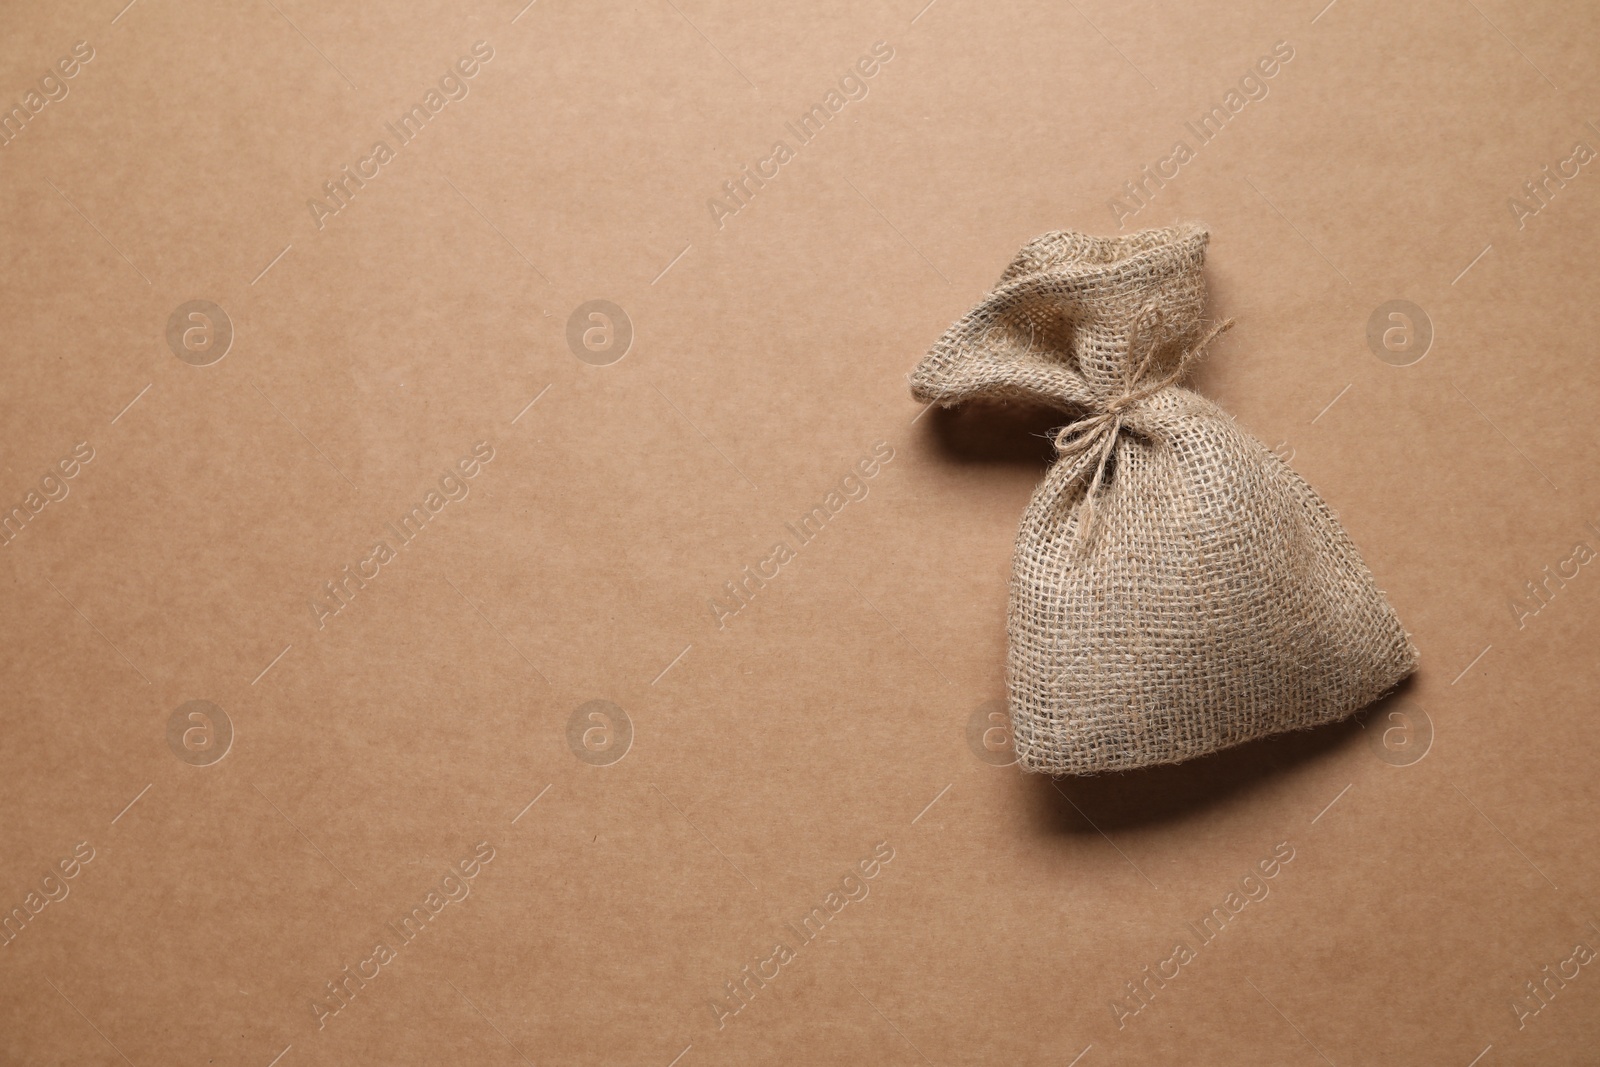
(769, 757)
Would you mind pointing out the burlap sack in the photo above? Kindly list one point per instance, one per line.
(1176, 588)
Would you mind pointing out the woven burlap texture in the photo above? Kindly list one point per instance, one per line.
(1176, 588)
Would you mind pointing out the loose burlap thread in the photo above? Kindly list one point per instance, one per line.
(1176, 588)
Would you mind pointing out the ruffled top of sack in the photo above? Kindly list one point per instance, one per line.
(1061, 323)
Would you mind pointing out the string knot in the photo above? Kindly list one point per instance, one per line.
(1098, 431)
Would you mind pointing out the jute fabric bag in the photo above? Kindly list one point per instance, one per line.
(1176, 588)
